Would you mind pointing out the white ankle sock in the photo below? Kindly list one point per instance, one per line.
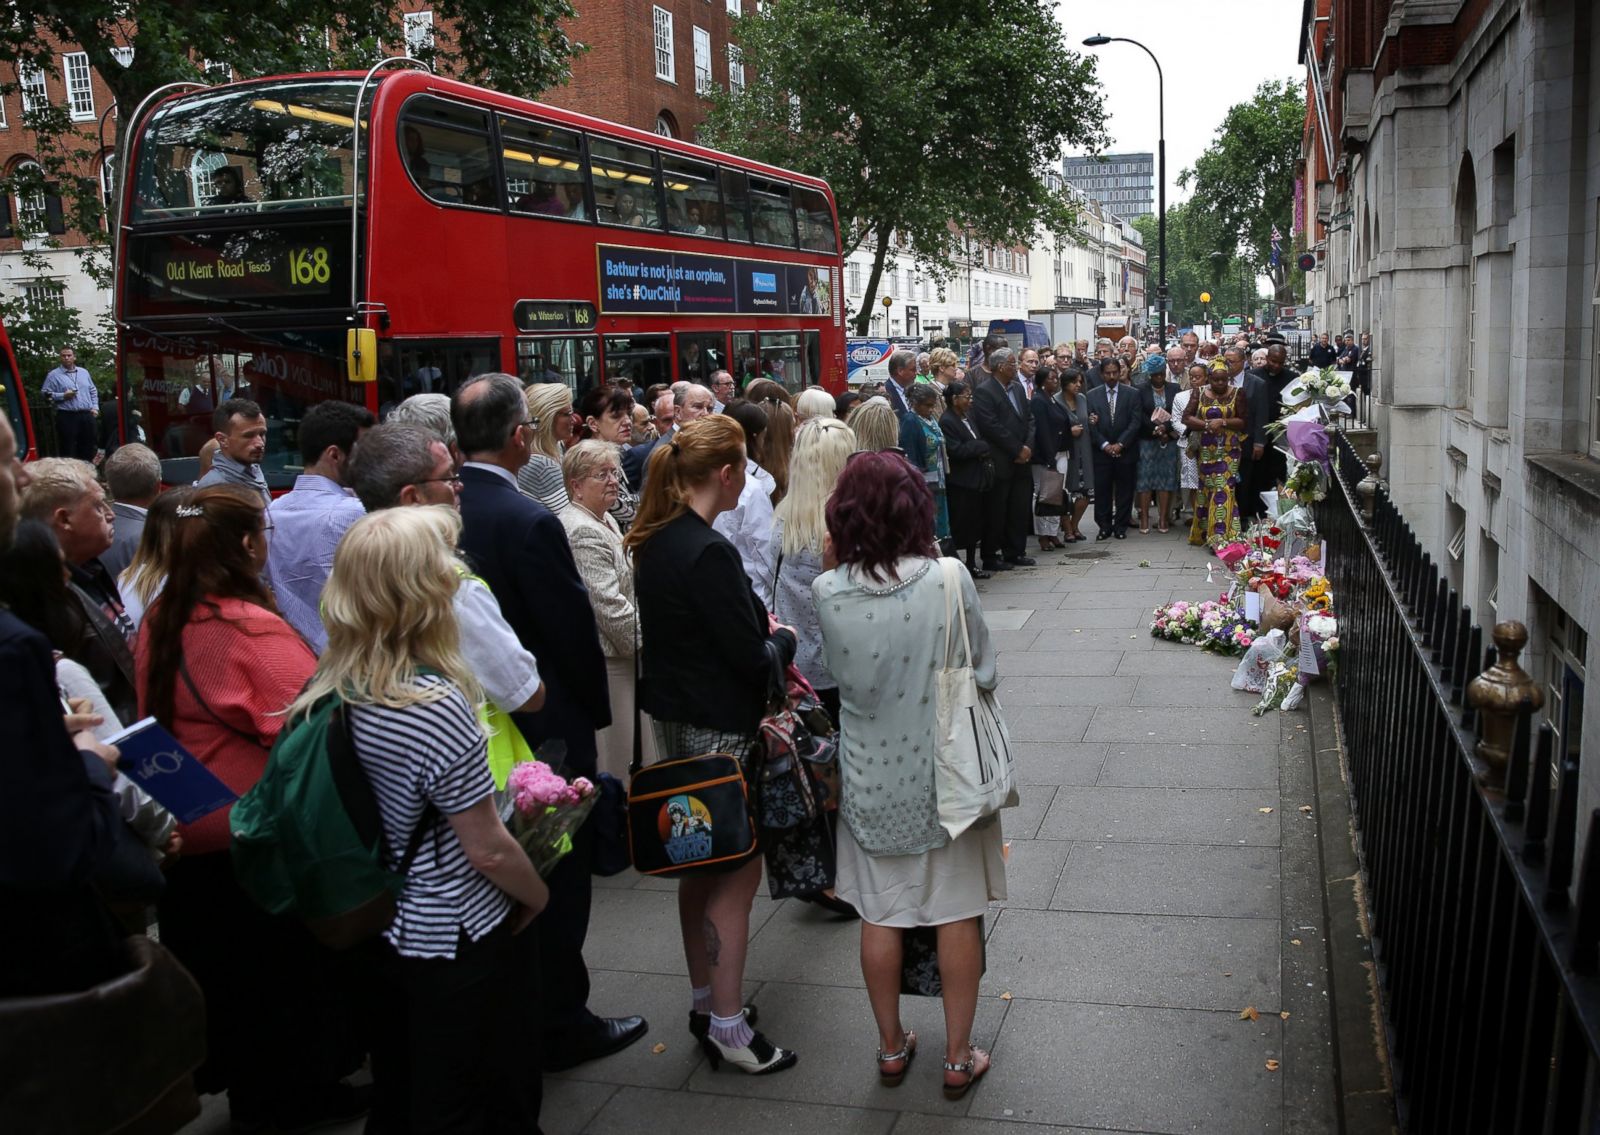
(731, 1032)
(702, 998)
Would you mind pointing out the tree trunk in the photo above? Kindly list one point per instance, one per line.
(863, 320)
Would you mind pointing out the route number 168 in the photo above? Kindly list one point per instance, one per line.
(309, 266)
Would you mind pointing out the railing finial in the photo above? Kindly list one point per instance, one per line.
(1367, 487)
(1501, 694)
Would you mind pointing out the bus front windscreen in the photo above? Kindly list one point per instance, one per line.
(261, 148)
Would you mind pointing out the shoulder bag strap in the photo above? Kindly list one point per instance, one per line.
(961, 610)
(430, 811)
(952, 597)
(638, 738)
(183, 671)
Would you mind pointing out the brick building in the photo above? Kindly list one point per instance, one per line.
(1452, 196)
(651, 62)
(76, 86)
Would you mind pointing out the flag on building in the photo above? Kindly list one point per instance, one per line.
(1277, 246)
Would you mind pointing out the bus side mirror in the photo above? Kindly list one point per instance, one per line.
(361, 354)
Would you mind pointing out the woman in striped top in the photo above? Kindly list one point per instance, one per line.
(452, 1046)
(551, 417)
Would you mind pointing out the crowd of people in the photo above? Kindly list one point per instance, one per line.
(600, 583)
(507, 570)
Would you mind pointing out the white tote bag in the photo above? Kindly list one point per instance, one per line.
(975, 771)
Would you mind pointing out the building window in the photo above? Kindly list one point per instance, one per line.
(419, 32)
(34, 95)
(80, 85)
(702, 61)
(41, 296)
(735, 69)
(123, 55)
(664, 125)
(666, 64)
(733, 7)
(852, 279)
(30, 204)
(1565, 675)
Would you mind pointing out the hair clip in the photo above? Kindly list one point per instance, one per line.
(674, 446)
(190, 511)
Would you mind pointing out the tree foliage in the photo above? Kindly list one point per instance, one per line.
(1197, 263)
(925, 118)
(1244, 181)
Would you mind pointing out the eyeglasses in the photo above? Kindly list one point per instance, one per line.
(453, 479)
(606, 475)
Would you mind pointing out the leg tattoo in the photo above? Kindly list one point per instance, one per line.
(713, 942)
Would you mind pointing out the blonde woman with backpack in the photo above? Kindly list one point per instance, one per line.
(453, 978)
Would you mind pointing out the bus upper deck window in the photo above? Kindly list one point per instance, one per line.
(543, 169)
(627, 187)
(814, 220)
(692, 206)
(445, 147)
(771, 213)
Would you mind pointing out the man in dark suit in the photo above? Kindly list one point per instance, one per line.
(133, 474)
(1267, 464)
(521, 551)
(1001, 413)
(689, 401)
(902, 374)
(1114, 436)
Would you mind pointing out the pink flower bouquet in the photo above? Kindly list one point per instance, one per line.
(547, 809)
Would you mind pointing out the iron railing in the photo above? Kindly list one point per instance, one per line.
(1486, 953)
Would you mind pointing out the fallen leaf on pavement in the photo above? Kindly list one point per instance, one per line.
(1294, 941)
(1248, 1013)
(1006, 996)
(1227, 973)
(1305, 807)
(1272, 1066)
(659, 1049)
(1263, 811)
(1284, 1016)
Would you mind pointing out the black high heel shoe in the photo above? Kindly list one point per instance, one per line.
(758, 1058)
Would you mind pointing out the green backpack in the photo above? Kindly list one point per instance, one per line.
(308, 839)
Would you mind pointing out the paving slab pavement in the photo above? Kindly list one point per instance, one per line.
(1147, 909)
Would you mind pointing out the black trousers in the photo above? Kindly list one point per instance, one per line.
(1114, 480)
(455, 1044)
(966, 518)
(75, 434)
(1008, 513)
(279, 1019)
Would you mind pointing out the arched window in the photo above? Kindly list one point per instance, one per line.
(201, 167)
(666, 126)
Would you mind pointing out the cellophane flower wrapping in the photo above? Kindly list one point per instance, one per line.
(546, 809)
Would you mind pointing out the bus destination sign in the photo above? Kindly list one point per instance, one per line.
(262, 269)
(647, 281)
(554, 315)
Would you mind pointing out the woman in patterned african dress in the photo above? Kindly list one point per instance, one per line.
(1219, 416)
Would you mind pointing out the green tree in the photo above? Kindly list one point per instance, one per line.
(925, 119)
(1244, 182)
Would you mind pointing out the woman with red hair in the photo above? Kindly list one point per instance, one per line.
(882, 610)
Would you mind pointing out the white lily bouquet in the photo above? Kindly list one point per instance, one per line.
(1327, 387)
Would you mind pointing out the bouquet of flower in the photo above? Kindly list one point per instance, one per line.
(546, 810)
(1178, 622)
(1327, 386)
(1225, 630)
(1307, 482)
(1282, 681)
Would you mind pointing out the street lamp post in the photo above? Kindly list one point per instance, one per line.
(1161, 167)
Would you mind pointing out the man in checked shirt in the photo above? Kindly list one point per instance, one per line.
(77, 404)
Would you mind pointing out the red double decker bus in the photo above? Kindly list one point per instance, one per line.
(272, 249)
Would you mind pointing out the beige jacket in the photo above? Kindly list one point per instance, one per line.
(597, 549)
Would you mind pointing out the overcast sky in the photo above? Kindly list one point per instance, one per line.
(1214, 55)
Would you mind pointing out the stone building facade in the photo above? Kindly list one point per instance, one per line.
(1452, 196)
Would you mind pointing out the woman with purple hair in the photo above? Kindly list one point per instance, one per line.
(882, 607)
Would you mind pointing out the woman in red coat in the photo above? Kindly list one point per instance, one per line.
(217, 666)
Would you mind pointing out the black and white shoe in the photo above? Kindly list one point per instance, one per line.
(758, 1058)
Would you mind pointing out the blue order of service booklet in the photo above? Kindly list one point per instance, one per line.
(153, 759)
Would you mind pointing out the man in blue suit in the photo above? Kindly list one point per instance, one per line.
(902, 375)
(1114, 428)
(690, 400)
(521, 551)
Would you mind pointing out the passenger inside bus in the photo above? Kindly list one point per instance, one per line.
(227, 187)
(543, 198)
(627, 211)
